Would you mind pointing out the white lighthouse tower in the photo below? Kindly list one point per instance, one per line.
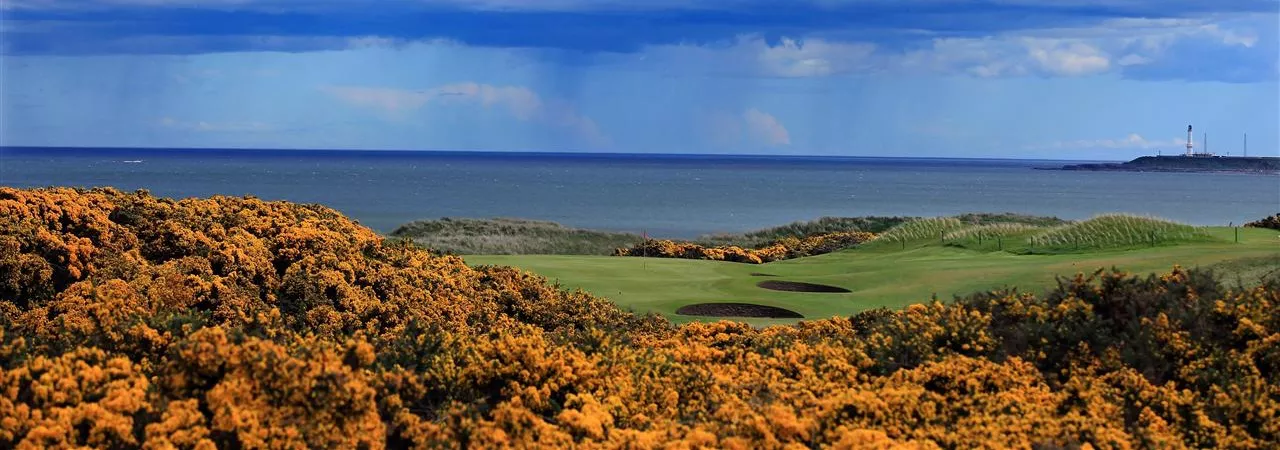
(1190, 146)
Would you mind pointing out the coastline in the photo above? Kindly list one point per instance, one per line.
(1183, 164)
(1120, 168)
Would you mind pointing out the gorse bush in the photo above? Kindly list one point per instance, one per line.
(1272, 222)
(801, 230)
(785, 248)
(1116, 230)
(133, 321)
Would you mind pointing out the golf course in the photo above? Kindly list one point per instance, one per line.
(887, 272)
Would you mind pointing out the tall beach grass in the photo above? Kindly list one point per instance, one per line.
(1116, 231)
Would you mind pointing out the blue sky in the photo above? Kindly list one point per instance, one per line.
(1068, 79)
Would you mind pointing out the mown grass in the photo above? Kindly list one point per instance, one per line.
(883, 275)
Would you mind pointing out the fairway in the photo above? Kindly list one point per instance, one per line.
(875, 276)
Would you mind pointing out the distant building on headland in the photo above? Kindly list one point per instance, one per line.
(1205, 153)
(1191, 148)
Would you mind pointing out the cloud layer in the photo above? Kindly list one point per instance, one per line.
(1132, 141)
(520, 102)
(1141, 39)
(215, 127)
(749, 128)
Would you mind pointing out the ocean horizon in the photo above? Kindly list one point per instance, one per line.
(248, 151)
(669, 195)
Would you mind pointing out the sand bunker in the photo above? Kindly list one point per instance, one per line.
(796, 286)
(737, 310)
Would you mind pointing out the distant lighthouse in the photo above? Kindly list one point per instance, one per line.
(1190, 146)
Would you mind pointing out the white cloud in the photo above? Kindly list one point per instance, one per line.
(981, 57)
(390, 100)
(215, 127)
(521, 102)
(355, 43)
(518, 100)
(765, 128)
(752, 54)
(1132, 141)
(1067, 58)
(811, 58)
(1110, 46)
(1243, 38)
(751, 127)
(1133, 60)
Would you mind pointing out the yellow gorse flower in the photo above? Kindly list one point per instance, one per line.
(128, 320)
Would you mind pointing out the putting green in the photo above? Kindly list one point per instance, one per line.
(875, 277)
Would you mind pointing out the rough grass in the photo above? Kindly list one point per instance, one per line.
(801, 230)
(507, 236)
(1027, 234)
(932, 228)
(511, 237)
(872, 224)
(991, 231)
(1001, 218)
(1112, 231)
(1245, 272)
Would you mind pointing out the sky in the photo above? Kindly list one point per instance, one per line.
(1054, 79)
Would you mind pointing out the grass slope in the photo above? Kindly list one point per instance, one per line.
(1103, 232)
(878, 276)
(507, 236)
(802, 230)
(511, 237)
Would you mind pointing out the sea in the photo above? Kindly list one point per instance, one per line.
(677, 196)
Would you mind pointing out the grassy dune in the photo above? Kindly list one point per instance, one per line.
(511, 237)
(879, 275)
(507, 236)
(803, 229)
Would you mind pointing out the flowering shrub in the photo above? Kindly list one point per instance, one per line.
(133, 321)
(1272, 222)
(785, 248)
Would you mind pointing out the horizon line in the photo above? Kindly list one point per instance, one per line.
(547, 152)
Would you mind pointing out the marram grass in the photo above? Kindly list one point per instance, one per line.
(1116, 231)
